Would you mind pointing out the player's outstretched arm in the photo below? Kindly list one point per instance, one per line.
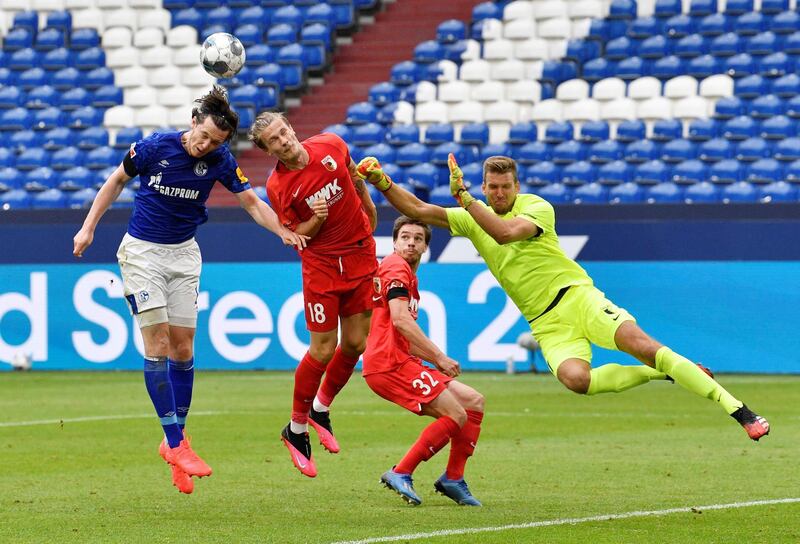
(106, 196)
(366, 199)
(504, 231)
(421, 345)
(406, 203)
(267, 218)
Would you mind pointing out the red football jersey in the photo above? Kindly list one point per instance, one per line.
(386, 347)
(291, 193)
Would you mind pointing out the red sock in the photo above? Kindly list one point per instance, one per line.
(431, 440)
(340, 368)
(463, 445)
(306, 381)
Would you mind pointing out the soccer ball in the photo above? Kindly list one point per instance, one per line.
(222, 55)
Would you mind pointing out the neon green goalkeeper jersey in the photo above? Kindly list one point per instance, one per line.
(531, 271)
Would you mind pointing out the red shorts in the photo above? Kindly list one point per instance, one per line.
(337, 286)
(410, 385)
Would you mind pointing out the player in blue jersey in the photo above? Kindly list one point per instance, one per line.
(160, 260)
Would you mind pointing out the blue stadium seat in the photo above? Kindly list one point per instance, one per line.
(615, 173)
(59, 59)
(492, 150)
(729, 107)
(67, 157)
(455, 51)
(426, 175)
(652, 172)
(345, 13)
(774, 6)
(726, 45)
(99, 78)
(701, 130)
(451, 31)
(793, 107)
(605, 151)
(11, 97)
(294, 61)
(383, 93)
(787, 149)
(317, 34)
(49, 39)
(753, 149)
(26, 19)
(704, 66)
(341, 130)
(778, 128)
(766, 106)
(428, 51)
(579, 173)
(48, 118)
(633, 68)
(249, 34)
(487, 10)
(741, 191)
(626, 193)
(126, 136)
(125, 199)
(556, 193)
(361, 113)
(41, 179)
(750, 24)
(692, 45)
(66, 79)
(16, 119)
(702, 8)
(740, 128)
(75, 98)
(18, 38)
(89, 59)
(642, 151)
(665, 130)
(440, 196)
(382, 151)
(622, 9)
(254, 15)
(289, 15)
(92, 137)
(542, 174)
(173, 5)
(679, 26)
(21, 140)
(668, 67)
(641, 28)
(321, 14)
(84, 38)
(776, 65)
(51, 198)
(665, 9)
(765, 170)
(102, 157)
(558, 132)
(15, 199)
(741, 65)
(726, 171)
(763, 43)
(738, 7)
(594, 131)
(664, 193)
(473, 174)
(24, 59)
(591, 193)
(793, 171)
(260, 54)
(397, 173)
(678, 150)
(221, 16)
(76, 179)
(715, 24)
(779, 191)
(786, 86)
(702, 192)
(403, 134)
(786, 22)
(569, 151)
(107, 96)
(269, 75)
(620, 48)
(368, 134)
(10, 179)
(32, 78)
(411, 154)
(689, 172)
(534, 152)
(522, 132)
(715, 150)
(597, 69)
(7, 77)
(189, 17)
(462, 153)
(7, 158)
(474, 134)
(655, 47)
(631, 130)
(281, 34)
(439, 133)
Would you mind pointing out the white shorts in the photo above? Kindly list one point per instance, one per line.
(161, 281)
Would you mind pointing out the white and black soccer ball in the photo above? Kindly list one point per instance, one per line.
(222, 55)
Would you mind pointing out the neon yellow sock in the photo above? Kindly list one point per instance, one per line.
(614, 378)
(690, 377)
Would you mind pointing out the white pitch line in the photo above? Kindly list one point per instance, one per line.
(568, 521)
(91, 418)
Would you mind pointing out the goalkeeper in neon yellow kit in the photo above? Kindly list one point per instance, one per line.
(515, 234)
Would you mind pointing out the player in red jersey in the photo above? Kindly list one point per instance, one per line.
(393, 369)
(315, 192)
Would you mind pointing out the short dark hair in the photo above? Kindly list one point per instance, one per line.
(402, 221)
(499, 164)
(215, 103)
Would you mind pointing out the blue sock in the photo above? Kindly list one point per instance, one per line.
(156, 379)
(181, 374)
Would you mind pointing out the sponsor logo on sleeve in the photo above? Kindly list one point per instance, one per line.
(329, 163)
(132, 152)
(241, 176)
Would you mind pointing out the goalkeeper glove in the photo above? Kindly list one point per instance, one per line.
(457, 188)
(369, 169)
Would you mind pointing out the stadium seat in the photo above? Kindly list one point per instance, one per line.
(556, 193)
(726, 171)
(626, 193)
(786, 22)
(605, 151)
(678, 150)
(655, 47)
(615, 173)
(368, 134)
(594, 131)
(766, 170)
(665, 130)
(740, 128)
(664, 193)
(399, 135)
(787, 149)
(726, 45)
(15, 199)
(728, 108)
(778, 128)
(569, 151)
(702, 192)
(522, 132)
(741, 65)
(750, 23)
(753, 149)
(715, 149)
(75, 178)
(411, 154)
(590, 193)
(579, 173)
(383, 152)
(740, 191)
(779, 191)
(474, 134)
(631, 130)
(41, 179)
(689, 172)
(534, 152)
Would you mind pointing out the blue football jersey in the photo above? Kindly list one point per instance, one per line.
(174, 187)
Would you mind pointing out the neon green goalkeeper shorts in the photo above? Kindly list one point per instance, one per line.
(584, 316)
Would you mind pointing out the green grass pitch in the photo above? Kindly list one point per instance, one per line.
(79, 463)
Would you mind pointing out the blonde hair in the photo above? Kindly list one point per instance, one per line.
(264, 120)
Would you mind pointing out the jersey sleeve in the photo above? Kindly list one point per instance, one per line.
(144, 152)
(282, 206)
(232, 176)
(340, 144)
(395, 274)
(540, 213)
(460, 221)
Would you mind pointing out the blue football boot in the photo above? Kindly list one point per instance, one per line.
(458, 490)
(402, 484)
